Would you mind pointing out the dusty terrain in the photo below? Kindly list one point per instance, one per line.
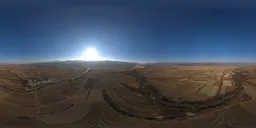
(79, 95)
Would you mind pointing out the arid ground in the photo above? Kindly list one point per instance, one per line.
(126, 95)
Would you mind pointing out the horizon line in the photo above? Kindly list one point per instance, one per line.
(49, 61)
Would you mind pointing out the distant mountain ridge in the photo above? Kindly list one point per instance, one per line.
(84, 64)
(200, 63)
(107, 63)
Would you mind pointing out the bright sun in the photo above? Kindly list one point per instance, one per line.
(91, 55)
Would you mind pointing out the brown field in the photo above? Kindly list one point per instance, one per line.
(113, 94)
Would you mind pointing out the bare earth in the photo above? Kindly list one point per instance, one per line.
(111, 94)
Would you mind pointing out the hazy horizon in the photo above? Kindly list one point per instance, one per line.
(170, 62)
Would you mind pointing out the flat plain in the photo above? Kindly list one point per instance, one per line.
(116, 94)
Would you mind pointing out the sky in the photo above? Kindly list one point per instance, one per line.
(134, 30)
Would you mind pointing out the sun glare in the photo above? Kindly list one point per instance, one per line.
(91, 55)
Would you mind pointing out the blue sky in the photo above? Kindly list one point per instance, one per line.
(135, 30)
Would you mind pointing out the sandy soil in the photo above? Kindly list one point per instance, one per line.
(123, 96)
